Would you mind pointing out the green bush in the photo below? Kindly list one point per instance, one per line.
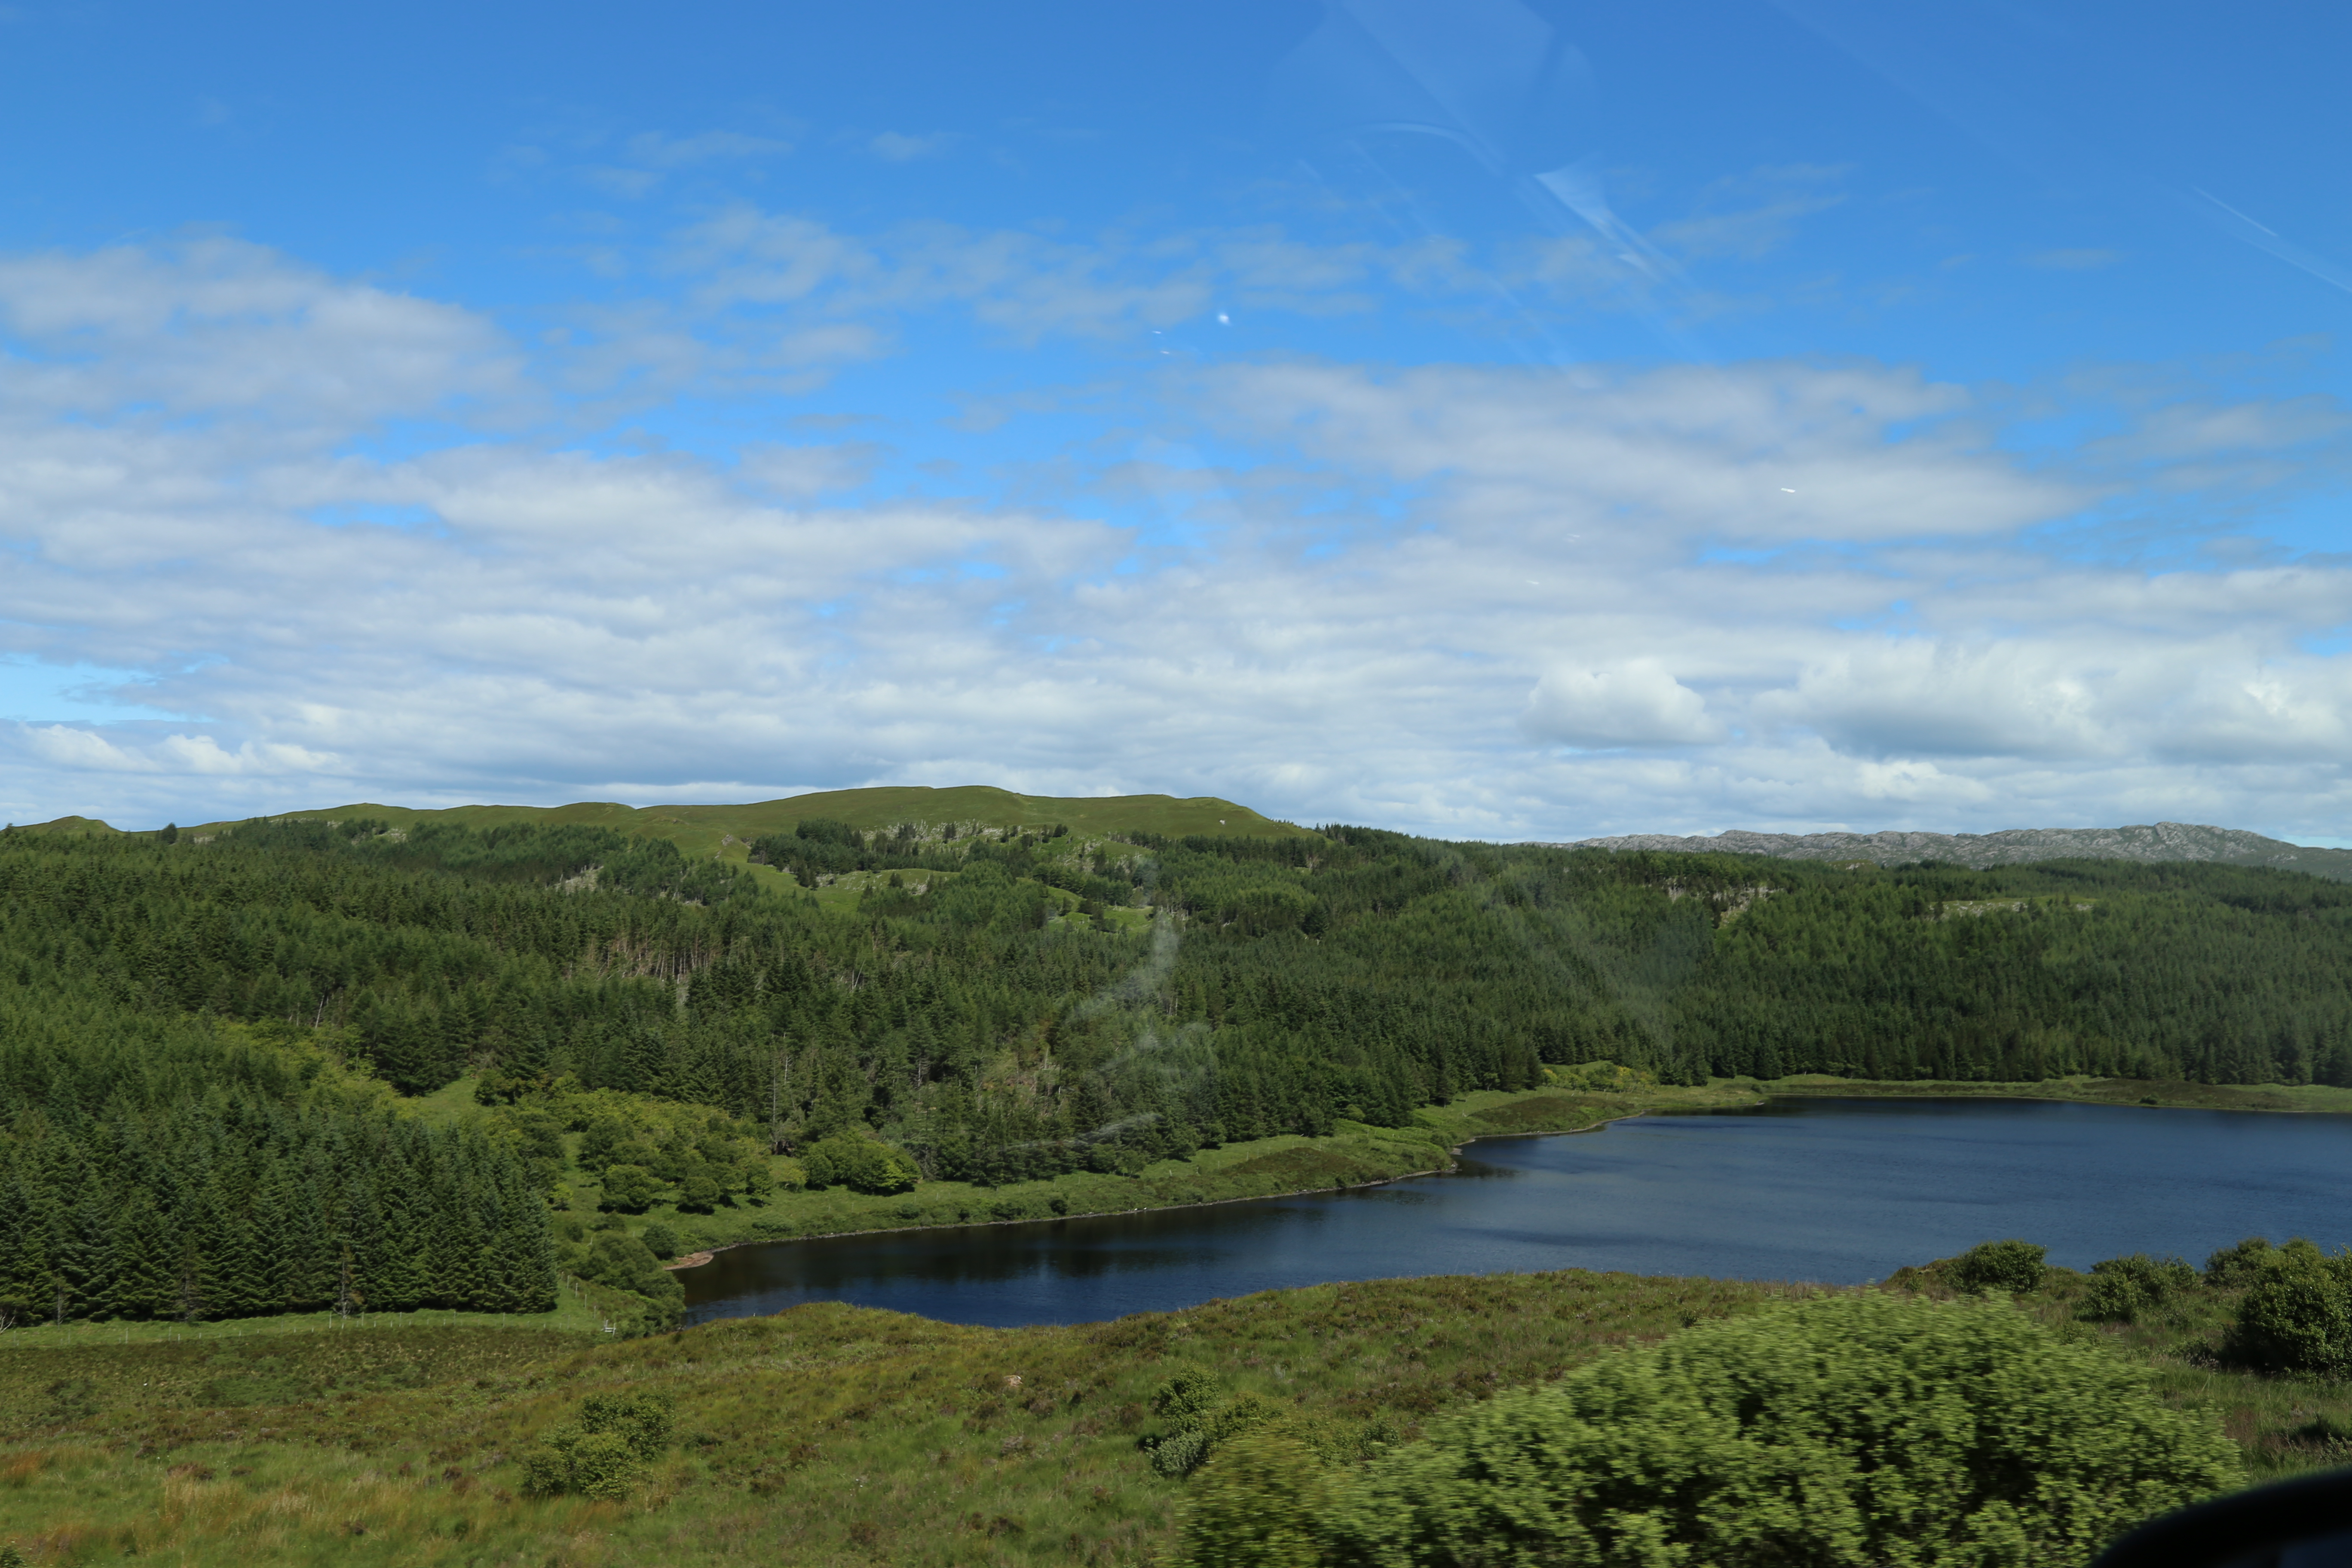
(626, 1263)
(1197, 1421)
(1257, 1505)
(2124, 1288)
(861, 1165)
(1857, 1429)
(630, 1187)
(1601, 1075)
(2013, 1267)
(2297, 1314)
(2234, 1267)
(603, 1454)
(661, 1241)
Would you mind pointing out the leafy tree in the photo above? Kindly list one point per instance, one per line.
(631, 1187)
(2233, 1267)
(860, 1164)
(2296, 1316)
(2013, 1267)
(624, 1263)
(661, 1241)
(2123, 1287)
(1798, 1435)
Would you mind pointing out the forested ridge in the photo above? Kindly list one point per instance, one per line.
(193, 1036)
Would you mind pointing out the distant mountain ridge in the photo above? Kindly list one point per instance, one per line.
(2010, 847)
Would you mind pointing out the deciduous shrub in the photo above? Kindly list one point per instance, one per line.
(2296, 1316)
(661, 1241)
(2014, 1267)
(626, 1263)
(2234, 1267)
(604, 1452)
(2124, 1288)
(1602, 1075)
(630, 1187)
(1197, 1421)
(861, 1165)
(1860, 1430)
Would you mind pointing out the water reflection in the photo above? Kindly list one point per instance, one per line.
(1833, 1190)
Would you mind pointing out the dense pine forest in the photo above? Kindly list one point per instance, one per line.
(210, 1051)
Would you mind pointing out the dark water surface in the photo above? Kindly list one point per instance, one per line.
(1839, 1191)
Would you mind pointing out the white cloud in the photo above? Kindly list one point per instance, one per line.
(1627, 703)
(1357, 594)
(213, 327)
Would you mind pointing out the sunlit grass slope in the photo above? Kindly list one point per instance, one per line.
(707, 829)
(830, 1434)
(826, 1435)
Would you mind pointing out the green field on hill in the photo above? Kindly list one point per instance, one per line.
(726, 830)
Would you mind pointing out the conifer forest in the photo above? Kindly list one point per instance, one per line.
(207, 1049)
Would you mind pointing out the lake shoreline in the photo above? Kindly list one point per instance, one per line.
(697, 1259)
(1747, 1094)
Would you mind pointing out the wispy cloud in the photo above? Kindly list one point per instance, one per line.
(898, 147)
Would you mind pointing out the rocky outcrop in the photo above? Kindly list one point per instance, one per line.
(2011, 846)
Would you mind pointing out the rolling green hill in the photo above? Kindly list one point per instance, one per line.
(727, 830)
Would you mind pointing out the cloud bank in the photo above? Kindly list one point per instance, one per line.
(378, 543)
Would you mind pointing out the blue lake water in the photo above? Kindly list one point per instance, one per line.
(1838, 1191)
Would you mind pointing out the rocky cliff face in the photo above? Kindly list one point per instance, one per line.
(2164, 841)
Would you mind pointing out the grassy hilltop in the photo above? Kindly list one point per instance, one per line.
(727, 830)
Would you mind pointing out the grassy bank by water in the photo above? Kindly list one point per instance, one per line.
(1356, 1154)
(1353, 1155)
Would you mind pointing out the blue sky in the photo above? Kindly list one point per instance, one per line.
(1499, 418)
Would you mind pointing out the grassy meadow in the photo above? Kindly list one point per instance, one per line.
(726, 830)
(832, 1434)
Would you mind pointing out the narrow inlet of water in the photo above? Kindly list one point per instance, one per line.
(1838, 1191)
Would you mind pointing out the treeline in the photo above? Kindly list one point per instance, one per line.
(1280, 986)
(175, 1177)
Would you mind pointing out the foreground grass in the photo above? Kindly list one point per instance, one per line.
(578, 1312)
(826, 1434)
(2284, 1425)
(832, 1434)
